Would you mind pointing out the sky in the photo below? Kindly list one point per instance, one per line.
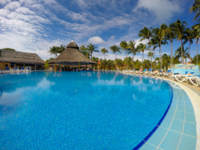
(36, 25)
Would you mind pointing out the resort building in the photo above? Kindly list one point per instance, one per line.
(12, 59)
(71, 58)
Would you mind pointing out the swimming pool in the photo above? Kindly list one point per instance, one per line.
(79, 110)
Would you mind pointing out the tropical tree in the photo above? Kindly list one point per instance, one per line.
(115, 49)
(196, 29)
(190, 35)
(166, 60)
(61, 48)
(110, 64)
(103, 50)
(138, 64)
(169, 34)
(146, 33)
(141, 48)
(132, 49)
(182, 53)
(152, 43)
(147, 64)
(46, 65)
(95, 59)
(196, 8)
(159, 39)
(0, 53)
(194, 60)
(54, 50)
(151, 55)
(103, 63)
(92, 48)
(9, 49)
(180, 30)
(128, 61)
(119, 63)
(124, 47)
(84, 50)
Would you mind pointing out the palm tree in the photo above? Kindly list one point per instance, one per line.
(166, 60)
(141, 48)
(151, 55)
(169, 34)
(180, 30)
(196, 29)
(119, 63)
(196, 8)
(84, 50)
(152, 42)
(182, 53)
(103, 50)
(190, 35)
(124, 47)
(159, 39)
(146, 33)
(54, 50)
(115, 49)
(92, 48)
(62, 48)
(132, 49)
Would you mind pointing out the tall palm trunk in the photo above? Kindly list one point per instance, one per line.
(189, 51)
(171, 53)
(160, 56)
(115, 56)
(182, 52)
(133, 60)
(151, 60)
(197, 51)
(143, 60)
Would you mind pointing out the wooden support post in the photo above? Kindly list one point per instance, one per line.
(55, 67)
(35, 67)
(86, 66)
(79, 67)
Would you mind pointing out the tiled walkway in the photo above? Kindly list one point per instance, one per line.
(178, 129)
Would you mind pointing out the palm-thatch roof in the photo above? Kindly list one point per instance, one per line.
(20, 57)
(72, 56)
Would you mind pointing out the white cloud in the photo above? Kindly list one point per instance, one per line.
(95, 40)
(163, 9)
(12, 5)
(24, 10)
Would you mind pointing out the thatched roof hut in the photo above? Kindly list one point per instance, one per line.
(72, 56)
(20, 57)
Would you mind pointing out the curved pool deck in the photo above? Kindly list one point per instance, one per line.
(180, 128)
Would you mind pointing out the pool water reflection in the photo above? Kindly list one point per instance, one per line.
(79, 110)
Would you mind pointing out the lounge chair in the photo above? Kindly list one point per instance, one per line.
(195, 80)
(167, 74)
(132, 71)
(139, 71)
(145, 70)
(182, 77)
(148, 72)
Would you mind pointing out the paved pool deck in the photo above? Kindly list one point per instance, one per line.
(180, 128)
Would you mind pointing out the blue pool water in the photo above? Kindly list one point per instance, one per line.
(79, 110)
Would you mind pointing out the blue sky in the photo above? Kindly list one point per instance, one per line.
(36, 25)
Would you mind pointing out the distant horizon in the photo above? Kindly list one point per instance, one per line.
(35, 26)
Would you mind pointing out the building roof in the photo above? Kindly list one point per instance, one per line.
(20, 57)
(72, 56)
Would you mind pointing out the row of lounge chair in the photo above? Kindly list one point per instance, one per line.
(15, 70)
(187, 77)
